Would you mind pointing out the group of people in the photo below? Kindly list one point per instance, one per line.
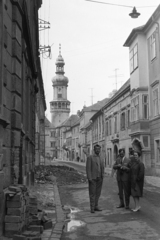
(130, 178)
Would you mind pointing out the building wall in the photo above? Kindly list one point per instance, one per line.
(18, 88)
(154, 83)
(59, 116)
(117, 137)
(75, 142)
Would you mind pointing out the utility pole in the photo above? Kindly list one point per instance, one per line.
(116, 76)
(91, 96)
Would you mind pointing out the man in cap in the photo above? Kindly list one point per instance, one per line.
(95, 173)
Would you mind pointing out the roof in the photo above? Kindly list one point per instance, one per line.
(76, 122)
(87, 125)
(48, 123)
(125, 87)
(95, 107)
(69, 122)
(143, 28)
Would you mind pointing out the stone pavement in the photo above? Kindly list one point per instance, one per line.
(56, 232)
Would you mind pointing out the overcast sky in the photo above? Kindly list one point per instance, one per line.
(91, 37)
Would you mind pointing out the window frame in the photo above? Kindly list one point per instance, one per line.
(133, 59)
(123, 121)
(107, 128)
(145, 104)
(115, 124)
(153, 46)
(134, 109)
(157, 158)
(54, 144)
(153, 100)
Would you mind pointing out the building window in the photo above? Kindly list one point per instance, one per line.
(145, 141)
(110, 127)
(52, 144)
(135, 109)
(128, 118)
(107, 128)
(155, 102)
(123, 119)
(145, 108)
(134, 58)
(102, 125)
(53, 134)
(153, 46)
(157, 150)
(59, 93)
(115, 124)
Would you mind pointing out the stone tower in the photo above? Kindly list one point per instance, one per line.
(60, 106)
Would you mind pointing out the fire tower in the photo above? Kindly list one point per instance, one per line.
(60, 106)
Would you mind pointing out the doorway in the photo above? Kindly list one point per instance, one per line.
(115, 152)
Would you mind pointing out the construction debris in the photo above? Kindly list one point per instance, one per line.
(64, 175)
(24, 219)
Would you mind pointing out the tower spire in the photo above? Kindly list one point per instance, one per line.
(60, 49)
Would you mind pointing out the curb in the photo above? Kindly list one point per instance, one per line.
(56, 232)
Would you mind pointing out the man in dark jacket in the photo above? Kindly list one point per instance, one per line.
(121, 165)
(95, 173)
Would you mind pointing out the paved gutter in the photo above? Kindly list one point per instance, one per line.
(56, 232)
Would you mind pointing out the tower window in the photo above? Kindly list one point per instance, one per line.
(59, 95)
(59, 92)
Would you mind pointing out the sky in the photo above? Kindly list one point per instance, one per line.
(91, 37)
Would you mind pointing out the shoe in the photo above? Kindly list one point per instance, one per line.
(92, 211)
(135, 210)
(120, 206)
(127, 207)
(97, 209)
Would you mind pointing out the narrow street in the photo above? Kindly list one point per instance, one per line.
(111, 223)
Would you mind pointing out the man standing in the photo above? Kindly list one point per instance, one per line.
(121, 165)
(95, 173)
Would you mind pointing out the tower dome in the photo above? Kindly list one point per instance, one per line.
(60, 79)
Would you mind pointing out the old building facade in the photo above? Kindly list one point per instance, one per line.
(117, 124)
(50, 141)
(64, 138)
(144, 49)
(85, 118)
(20, 81)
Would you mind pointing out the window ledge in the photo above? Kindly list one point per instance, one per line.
(154, 83)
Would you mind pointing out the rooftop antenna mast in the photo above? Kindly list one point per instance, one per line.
(91, 96)
(116, 76)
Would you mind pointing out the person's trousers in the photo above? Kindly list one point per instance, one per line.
(95, 187)
(124, 192)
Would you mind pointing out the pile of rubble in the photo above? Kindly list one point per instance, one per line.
(63, 174)
(23, 216)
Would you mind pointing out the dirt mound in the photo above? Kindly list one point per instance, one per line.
(63, 175)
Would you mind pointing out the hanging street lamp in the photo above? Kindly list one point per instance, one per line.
(133, 14)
